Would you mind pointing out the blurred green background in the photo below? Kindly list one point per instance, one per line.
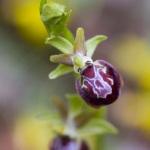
(25, 89)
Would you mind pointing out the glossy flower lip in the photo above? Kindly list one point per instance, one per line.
(99, 84)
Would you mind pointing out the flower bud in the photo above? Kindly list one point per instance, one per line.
(99, 83)
(64, 142)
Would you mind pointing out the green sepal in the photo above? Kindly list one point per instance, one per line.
(61, 44)
(92, 43)
(97, 126)
(79, 43)
(65, 59)
(59, 71)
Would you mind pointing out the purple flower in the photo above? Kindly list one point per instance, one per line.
(64, 142)
(99, 83)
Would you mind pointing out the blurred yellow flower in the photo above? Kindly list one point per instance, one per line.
(134, 110)
(31, 134)
(27, 19)
(25, 16)
(132, 54)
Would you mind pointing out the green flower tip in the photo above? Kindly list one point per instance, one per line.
(79, 44)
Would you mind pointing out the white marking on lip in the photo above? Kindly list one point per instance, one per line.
(100, 91)
(111, 80)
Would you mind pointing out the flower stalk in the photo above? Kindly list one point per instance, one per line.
(98, 83)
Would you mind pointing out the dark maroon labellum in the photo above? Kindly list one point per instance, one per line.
(62, 142)
(99, 84)
(84, 146)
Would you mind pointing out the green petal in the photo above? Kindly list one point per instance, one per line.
(65, 59)
(79, 44)
(97, 126)
(61, 44)
(92, 43)
(59, 71)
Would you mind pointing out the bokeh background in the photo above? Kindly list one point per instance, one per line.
(25, 89)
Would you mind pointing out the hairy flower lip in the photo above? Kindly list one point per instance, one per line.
(64, 142)
(90, 97)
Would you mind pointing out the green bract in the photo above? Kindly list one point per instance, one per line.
(52, 12)
(61, 44)
(54, 17)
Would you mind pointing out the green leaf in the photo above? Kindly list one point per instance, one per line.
(59, 71)
(101, 113)
(65, 59)
(68, 35)
(75, 103)
(92, 43)
(97, 126)
(41, 5)
(51, 12)
(61, 44)
(54, 120)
